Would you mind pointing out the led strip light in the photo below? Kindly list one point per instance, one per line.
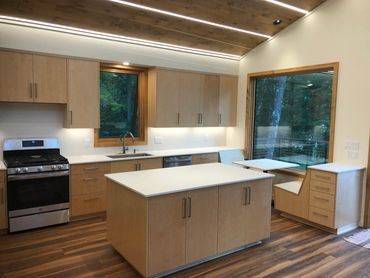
(291, 7)
(112, 37)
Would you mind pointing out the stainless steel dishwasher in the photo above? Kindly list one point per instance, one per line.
(177, 160)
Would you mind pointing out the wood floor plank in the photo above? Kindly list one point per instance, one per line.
(80, 249)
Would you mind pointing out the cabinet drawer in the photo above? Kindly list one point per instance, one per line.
(90, 168)
(88, 204)
(322, 217)
(125, 166)
(2, 177)
(322, 200)
(323, 176)
(86, 184)
(205, 158)
(323, 187)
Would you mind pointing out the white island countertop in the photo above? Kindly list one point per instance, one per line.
(149, 183)
(336, 167)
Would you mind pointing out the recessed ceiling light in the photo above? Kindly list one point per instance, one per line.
(142, 7)
(125, 63)
(277, 21)
(291, 7)
(111, 37)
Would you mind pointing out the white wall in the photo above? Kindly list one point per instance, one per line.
(337, 31)
(28, 120)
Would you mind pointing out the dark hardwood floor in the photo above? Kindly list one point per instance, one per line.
(80, 249)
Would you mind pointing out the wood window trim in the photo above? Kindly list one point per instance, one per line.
(249, 111)
(143, 106)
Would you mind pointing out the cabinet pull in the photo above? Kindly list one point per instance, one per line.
(35, 84)
(70, 117)
(201, 118)
(198, 118)
(219, 118)
(31, 90)
(2, 196)
(321, 199)
(249, 195)
(323, 177)
(90, 179)
(90, 168)
(322, 188)
(189, 207)
(91, 199)
(178, 118)
(319, 214)
(184, 208)
(245, 196)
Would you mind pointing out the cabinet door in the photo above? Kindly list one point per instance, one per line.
(167, 98)
(3, 211)
(16, 77)
(50, 79)
(83, 94)
(205, 158)
(201, 226)
(258, 217)
(125, 166)
(210, 101)
(228, 100)
(191, 87)
(166, 232)
(150, 163)
(231, 216)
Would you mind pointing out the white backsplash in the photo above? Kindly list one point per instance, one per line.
(18, 120)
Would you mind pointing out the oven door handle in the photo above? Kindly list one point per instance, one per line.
(43, 175)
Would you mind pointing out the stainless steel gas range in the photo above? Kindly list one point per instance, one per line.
(37, 183)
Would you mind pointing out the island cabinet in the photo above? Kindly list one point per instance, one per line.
(3, 210)
(88, 188)
(244, 214)
(32, 78)
(136, 165)
(204, 158)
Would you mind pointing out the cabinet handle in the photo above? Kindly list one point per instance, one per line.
(249, 195)
(178, 118)
(71, 116)
(321, 199)
(319, 214)
(35, 84)
(219, 119)
(322, 188)
(189, 208)
(184, 208)
(201, 118)
(2, 196)
(322, 177)
(90, 168)
(31, 90)
(91, 199)
(198, 118)
(90, 179)
(245, 196)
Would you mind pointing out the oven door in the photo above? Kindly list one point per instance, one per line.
(38, 192)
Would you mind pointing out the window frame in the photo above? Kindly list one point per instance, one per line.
(250, 104)
(142, 106)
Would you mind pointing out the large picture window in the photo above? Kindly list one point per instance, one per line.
(122, 104)
(293, 114)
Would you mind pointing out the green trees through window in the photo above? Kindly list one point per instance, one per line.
(118, 104)
(292, 117)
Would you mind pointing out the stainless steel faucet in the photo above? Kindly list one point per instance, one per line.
(123, 140)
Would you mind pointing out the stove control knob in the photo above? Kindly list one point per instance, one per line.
(18, 170)
(60, 167)
(25, 170)
(40, 168)
(53, 167)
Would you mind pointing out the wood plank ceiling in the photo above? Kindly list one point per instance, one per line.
(114, 18)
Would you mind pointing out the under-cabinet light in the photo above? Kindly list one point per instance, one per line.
(142, 7)
(112, 37)
(291, 7)
(126, 63)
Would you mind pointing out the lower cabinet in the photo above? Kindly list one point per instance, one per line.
(182, 228)
(88, 188)
(204, 158)
(244, 214)
(3, 211)
(136, 165)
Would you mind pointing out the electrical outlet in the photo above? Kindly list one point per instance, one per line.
(352, 149)
(158, 139)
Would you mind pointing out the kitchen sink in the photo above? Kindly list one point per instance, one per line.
(128, 155)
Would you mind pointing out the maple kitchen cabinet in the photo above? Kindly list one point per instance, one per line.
(83, 94)
(32, 78)
(163, 220)
(228, 100)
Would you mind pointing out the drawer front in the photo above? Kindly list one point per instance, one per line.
(88, 204)
(86, 184)
(322, 217)
(205, 158)
(323, 176)
(152, 163)
(2, 177)
(322, 200)
(124, 166)
(324, 187)
(89, 168)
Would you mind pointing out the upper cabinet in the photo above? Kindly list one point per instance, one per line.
(83, 94)
(186, 99)
(32, 78)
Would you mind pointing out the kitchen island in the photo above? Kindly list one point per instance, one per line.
(164, 220)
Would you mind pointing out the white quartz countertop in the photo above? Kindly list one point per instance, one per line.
(336, 167)
(156, 182)
(2, 166)
(80, 159)
(265, 164)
